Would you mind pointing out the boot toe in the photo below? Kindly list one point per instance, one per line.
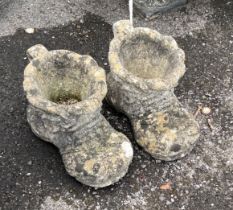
(167, 135)
(100, 164)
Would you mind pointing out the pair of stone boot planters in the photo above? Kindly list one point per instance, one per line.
(65, 92)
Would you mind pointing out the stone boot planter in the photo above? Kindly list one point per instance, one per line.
(145, 68)
(149, 8)
(65, 92)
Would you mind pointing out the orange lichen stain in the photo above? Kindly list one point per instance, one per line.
(170, 134)
(162, 120)
(142, 141)
(152, 146)
(149, 142)
(88, 166)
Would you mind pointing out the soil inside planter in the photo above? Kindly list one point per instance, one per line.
(67, 100)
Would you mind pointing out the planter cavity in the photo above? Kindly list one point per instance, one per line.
(145, 68)
(65, 92)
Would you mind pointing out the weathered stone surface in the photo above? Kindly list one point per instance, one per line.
(145, 68)
(149, 8)
(65, 92)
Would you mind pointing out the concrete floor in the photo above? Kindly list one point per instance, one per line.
(32, 175)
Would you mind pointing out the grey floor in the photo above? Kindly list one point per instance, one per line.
(32, 175)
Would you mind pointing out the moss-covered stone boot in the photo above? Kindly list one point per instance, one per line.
(145, 68)
(65, 92)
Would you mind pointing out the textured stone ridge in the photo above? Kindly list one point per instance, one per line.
(145, 68)
(65, 92)
(149, 8)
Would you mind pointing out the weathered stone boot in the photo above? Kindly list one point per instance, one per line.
(145, 68)
(65, 92)
(148, 8)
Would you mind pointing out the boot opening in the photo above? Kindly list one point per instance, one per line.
(63, 79)
(144, 57)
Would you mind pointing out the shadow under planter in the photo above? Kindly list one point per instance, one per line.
(65, 92)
